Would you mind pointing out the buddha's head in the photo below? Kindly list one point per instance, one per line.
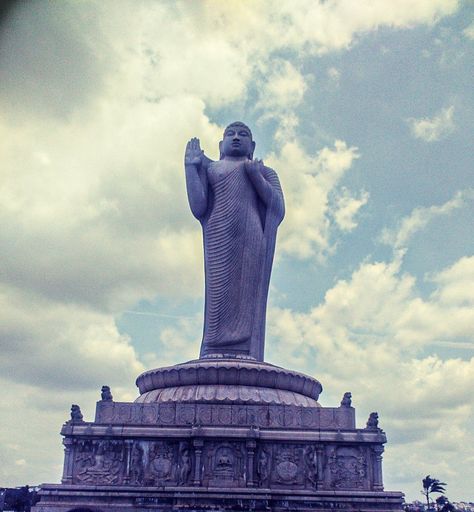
(237, 141)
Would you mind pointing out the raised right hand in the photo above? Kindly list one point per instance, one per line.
(194, 153)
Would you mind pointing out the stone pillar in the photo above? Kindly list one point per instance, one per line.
(68, 460)
(377, 451)
(198, 444)
(320, 454)
(251, 445)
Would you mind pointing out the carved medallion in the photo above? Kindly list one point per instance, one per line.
(287, 470)
(150, 413)
(166, 413)
(224, 414)
(204, 414)
(185, 413)
(161, 462)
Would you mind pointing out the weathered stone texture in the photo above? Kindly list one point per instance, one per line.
(275, 416)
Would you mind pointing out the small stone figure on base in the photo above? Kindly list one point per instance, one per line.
(311, 459)
(185, 467)
(136, 465)
(76, 414)
(262, 468)
(346, 399)
(373, 421)
(105, 393)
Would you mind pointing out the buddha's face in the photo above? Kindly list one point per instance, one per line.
(237, 142)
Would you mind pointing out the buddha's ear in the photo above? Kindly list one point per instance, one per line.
(221, 155)
(253, 149)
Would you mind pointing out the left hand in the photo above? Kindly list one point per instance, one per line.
(254, 166)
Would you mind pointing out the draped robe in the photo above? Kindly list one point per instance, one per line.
(239, 232)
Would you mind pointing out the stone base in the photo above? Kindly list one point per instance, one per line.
(221, 435)
(67, 498)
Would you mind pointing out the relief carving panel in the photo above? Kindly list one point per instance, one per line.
(347, 468)
(98, 462)
(224, 465)
(161, 464)
(288, 466)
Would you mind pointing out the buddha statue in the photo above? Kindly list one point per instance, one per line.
(239, 203)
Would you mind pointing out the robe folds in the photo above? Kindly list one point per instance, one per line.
(239, 233)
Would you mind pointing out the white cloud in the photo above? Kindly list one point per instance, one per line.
(316, 26)
(347, 207)
(283, 87)
(45, 343)
(177, 343)
(368, 336)
(334, 75)
(94, 226)
(456, 284)
(469, 31)
(419, 218)
(308, 182)
(435, 128)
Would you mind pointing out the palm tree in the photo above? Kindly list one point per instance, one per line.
(431, 485)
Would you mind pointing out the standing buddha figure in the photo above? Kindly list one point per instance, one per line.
(239, 203)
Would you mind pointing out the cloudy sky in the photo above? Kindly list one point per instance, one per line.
(364, 108)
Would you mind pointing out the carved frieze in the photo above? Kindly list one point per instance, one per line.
(98, 462)
(201, 461)
(273, 416)
(347, 467)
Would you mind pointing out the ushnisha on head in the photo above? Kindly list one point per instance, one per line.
(237, 142)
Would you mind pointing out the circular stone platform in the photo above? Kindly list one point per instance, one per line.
(228, 381)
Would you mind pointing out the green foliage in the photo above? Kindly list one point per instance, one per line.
(444, 505)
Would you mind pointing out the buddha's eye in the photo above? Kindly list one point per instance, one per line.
(229, 133)
(244, 133)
